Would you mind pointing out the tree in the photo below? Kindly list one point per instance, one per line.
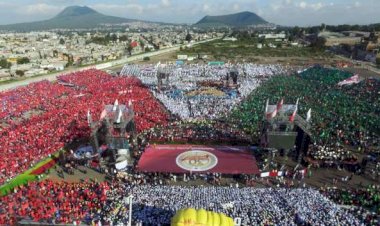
(20, 73)
(373, 37)
(23, 60)
(323, 27)
(123, 38)
(188, 37)
(5, 64)
(113, 37)
(142, 44)
(296, 31)
(61, 41)
(129, 49)
(319, 43)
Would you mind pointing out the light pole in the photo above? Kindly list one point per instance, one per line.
(130, 210)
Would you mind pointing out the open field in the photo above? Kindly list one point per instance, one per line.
(248, 51)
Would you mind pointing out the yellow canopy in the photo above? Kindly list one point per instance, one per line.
(193, 217)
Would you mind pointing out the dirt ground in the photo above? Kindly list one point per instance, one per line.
(78, 175)
(362, 72)
(319, 177)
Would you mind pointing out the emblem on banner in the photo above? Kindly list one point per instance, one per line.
(196, 160)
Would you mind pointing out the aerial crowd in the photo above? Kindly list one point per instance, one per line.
(186, 78)
(341, 116)
(41, 118)
(107, 203)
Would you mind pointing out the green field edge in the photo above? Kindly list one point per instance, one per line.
(25, 177)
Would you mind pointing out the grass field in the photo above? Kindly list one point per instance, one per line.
(247, 50)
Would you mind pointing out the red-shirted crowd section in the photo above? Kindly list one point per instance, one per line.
(54, 202)
(39, 119)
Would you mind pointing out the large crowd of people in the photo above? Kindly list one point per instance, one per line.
(55, 202)
(108, 203)
(341, 116)
(185, 78)
(155, 205)
(364, 202)
(41, 118)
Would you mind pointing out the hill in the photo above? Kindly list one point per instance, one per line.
(241, 19)
(72, 17)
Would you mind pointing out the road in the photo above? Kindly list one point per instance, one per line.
(53, 76)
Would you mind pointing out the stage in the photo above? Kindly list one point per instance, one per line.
(197, 158)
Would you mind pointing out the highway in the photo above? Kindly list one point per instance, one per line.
(133, 58)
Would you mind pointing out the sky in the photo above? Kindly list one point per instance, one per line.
(281, 12)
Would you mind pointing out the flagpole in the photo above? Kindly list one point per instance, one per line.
(130, 210)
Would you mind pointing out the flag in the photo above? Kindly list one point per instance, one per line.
(89, 120)
(118, 120)
(291, 118)
(308, 115)
(279, 105)
(115, 105)
(275, 111)
(130, 103)
(273, 173)
(103, 114)
(349, 81)
(272, 114)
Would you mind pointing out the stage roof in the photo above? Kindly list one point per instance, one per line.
(198, 158)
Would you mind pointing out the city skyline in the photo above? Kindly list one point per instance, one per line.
(281, 12)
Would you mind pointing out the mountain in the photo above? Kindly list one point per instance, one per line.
(241, 19)
(72, 17)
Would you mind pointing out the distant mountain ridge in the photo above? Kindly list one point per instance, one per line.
(241, 19)
(72, 17)
(75, 11)
(83, 17)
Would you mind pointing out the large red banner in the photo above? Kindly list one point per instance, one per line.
(197, 158)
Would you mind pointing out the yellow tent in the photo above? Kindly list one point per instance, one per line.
(193, 217)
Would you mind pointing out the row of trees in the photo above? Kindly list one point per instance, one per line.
(107, 39)
(23, 60)
(296, 31)
(5, 64)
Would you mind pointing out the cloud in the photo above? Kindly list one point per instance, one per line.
(165, 3)
(303, 5)
(236, 7)
(40, 9)
(317, 6)
(113, 9)
(206, 8)
(283, 12)
(315, 12)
